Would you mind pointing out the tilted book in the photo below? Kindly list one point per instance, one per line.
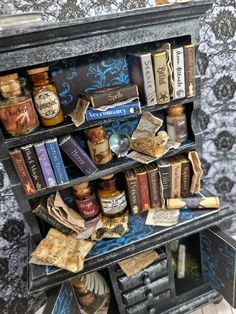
(127, 109)
(154, 187)
(45, 164)
(132, 191)
(189, 66)
(111, 95)
(161, 76)
(141, 73)
(22, 171)
(178, 72)
(143, 188)
(41, 211)
(185, 175)
(165, 174)
(55, 157)
(175, 177)
(33, 166)
(76, 153)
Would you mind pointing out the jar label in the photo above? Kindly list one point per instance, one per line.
(115, 204)
(180, 126)
(19, 118)
(47, 103)
(88, 208)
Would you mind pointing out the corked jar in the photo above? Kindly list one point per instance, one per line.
(98, 145)
(17, 113)
(177, 124)
(46, 98)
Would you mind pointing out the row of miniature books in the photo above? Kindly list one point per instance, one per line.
(41, 165)
(148, 186)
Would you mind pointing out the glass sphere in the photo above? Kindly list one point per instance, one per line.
(120, 143)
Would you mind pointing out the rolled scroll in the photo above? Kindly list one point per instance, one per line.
(212, 202)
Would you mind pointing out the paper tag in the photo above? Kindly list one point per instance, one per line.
(165, 218)
(148, 126)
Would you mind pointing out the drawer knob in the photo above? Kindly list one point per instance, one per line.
(149, 295)
(152, 311)
(146, 279)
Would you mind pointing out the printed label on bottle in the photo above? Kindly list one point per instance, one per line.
(180, 126)
(19, 118)
(115, 204)
(88, 208)
(47, 103)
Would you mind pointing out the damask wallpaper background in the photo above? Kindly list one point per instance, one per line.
(217, 119)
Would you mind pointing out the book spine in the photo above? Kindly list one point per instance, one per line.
(22, 171)
(42, 212)
(185, 178)
(33, 166)
(161, 77)
(176, 180)
(56, 161)
(110, 96)
(45, 164)
(118, 111)
(154, 188)
(148, 80)
(165, 174)
(78, 155)
(143, 191)
(133, 195)
(178, 70)
(189, 66)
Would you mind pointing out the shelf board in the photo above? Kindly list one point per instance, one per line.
(139, 238)
(119, 165)
(68, 126)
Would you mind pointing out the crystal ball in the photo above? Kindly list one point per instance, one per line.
(120, 143)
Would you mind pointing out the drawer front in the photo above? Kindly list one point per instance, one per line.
(154, 306)
(144, 277)
(146, 292)
(218, 252)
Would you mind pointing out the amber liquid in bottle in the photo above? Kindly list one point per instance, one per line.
(46, 98)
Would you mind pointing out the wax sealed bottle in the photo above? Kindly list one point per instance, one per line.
(84, 296)
(112, 198)
(17, 113)
(86, 201)
(46, 98)
(98, 145)
(177, 124)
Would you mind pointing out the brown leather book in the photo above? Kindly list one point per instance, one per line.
(189, 66)
(154, 187)
(185, 175)
(132, 191)
(143, 188)
(111, 95)
(22, 171)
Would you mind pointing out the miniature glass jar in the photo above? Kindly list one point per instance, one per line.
(46, 98)
(177, 124)
(98, 145)
(17, 113)
(86, 201)
(84, 296)
(112, 198)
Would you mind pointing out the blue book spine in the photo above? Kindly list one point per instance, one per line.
(56, 161)
(118, 111)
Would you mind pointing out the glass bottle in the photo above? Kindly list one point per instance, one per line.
(86, 201)
(17, 112)
(112, 198)
(98, 145)
(46, 98)
(84, 296)
(177, 124)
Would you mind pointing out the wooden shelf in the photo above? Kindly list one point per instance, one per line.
(139, 238)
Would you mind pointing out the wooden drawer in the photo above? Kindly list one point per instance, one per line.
(146, 292)
(144, 277)
(154, 306)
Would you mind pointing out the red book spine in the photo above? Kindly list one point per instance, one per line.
(143, 190)
(22, 171)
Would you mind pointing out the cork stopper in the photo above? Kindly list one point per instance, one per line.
(109, 177)
(10, 85)
(37, 70)
(9, 77)
(96, 135)
(81, 187)
(176, 111)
